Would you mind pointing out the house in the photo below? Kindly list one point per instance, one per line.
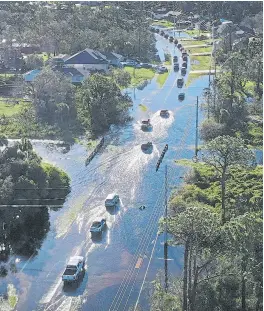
(73, 74)
(58, 60)
(114, 59)
(86, 61)
(30, 75)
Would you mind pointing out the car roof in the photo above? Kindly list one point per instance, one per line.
(110, 196)
(75, 260)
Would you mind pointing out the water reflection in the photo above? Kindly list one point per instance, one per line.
(22, 230)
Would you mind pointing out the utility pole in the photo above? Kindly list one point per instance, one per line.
(196, 129)
(166, 234)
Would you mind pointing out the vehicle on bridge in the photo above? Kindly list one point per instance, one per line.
(74, 269)
(164, 113)
(181, 96)
(148, 147)
(112, 200)
(180, 82)
(98, 226)
(146, 125)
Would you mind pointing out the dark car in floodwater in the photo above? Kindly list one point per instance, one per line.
(180, 82)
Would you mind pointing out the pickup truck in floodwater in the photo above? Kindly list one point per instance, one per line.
(73, 269)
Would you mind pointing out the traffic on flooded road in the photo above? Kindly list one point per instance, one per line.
(128, 250)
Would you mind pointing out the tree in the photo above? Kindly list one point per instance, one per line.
(122, 77)
(223, 153)
(47, 91)
(197, 229)
(243, 240)
(33, 62)
(100, 103)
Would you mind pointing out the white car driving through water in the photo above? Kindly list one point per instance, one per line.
(73, 269)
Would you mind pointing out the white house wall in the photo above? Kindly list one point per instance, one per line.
(86, 68)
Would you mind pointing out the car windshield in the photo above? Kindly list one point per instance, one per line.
(96, 224)
(71, 267)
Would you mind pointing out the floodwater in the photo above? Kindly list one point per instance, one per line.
(116, 263)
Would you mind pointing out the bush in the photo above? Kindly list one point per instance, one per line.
(210, 130)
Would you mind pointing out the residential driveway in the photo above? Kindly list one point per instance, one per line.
(205, 71)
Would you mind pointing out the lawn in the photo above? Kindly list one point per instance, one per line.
(195, 32)
(10, 108)
(201, 62)
(7, 75)
(201, 50)
(195, 42)
(141, 74)
(162, 78)
(163, 23)
(192, 77)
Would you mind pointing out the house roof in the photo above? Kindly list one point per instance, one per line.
(68, 71)
(86, 56)
(110, 55)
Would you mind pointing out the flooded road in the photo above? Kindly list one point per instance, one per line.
(117, 263)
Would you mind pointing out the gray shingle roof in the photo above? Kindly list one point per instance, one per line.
(86, 56)
(68, 71)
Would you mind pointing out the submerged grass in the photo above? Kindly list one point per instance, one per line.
(141, 74)
(162, 78)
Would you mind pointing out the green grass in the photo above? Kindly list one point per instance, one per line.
(163, 23)
(195, 42)
(168, 59)
(9, 109)
(201, 50)
(255, 133)
(204, 185)
(195, 32)
(141, 74)
(204, 62)
(250, 87)
(162, 78)
(7, 75)
(192, 77)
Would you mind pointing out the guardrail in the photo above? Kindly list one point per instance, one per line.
(95, 151)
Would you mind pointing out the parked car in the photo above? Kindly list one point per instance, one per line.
(73, 269)
(184, 58)
(175, 41)
(179, 46)
(181, 96)
(171, 39)
(176, 67)
(180, 82)
(175, 59)
(184, 53)
(183, 71)
(184, 65)
(112, 200)
(162, 69)
(98, 226)
(164, 113)
(166, 36)
(145, 65)
(162, 33)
